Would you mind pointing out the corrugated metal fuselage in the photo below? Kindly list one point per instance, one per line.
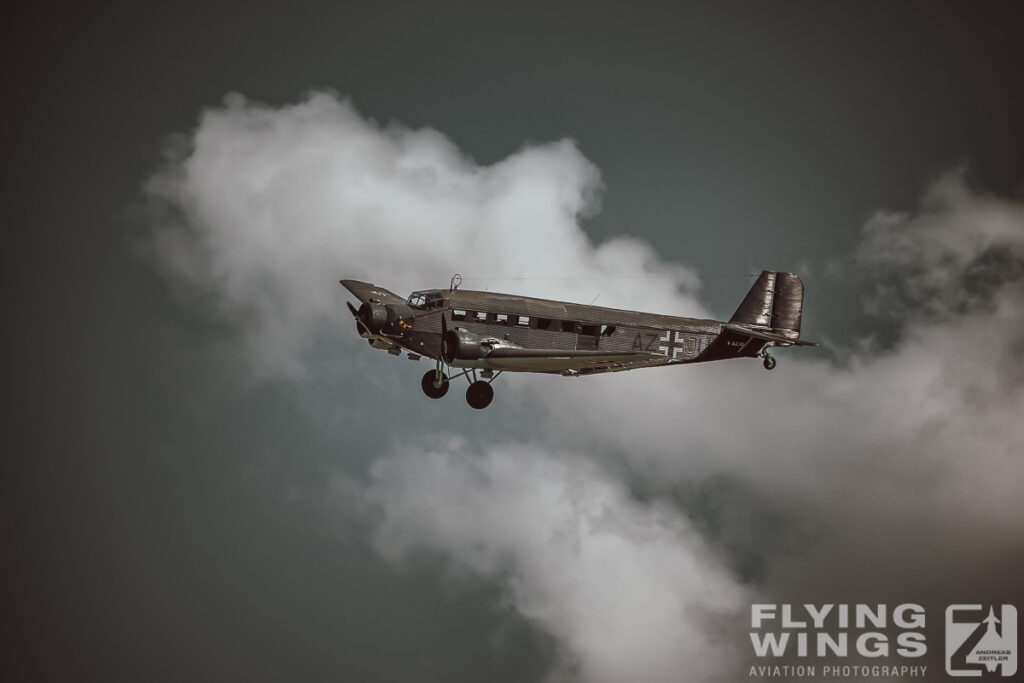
(556, 325)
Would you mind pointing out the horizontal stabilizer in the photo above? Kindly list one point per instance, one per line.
(766, 336)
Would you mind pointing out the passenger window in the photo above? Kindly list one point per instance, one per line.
(568, 326)
(607, 330)
(458, 314)
(501, 319)
(481, 317)
(589, 330)
(524, 321)
(543, 323)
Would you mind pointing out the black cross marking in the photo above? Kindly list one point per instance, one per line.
(670, 343)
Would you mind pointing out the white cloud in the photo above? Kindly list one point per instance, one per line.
(266, 209)
(890, 461)
(630, 590)
(949, 256)
(887, 462)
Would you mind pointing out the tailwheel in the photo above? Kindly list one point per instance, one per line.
(769, 362)
(479, 395)
(432, 386)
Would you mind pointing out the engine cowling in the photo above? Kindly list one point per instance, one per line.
(459, 344)
(375, 316)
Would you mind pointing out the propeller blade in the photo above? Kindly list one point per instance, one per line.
(444, 334)
(360, 327)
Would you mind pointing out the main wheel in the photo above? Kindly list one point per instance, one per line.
(479, 395)
(769, 362)
(430, 388)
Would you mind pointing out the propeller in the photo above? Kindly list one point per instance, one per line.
(360, 327)
(444, 337)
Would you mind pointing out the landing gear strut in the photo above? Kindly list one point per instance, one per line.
(435, 383)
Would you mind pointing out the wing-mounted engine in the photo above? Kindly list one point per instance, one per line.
(460, 344)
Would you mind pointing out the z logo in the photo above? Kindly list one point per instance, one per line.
(981, 641)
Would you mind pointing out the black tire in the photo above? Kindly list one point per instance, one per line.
(427, 384)
(479, 395)
(770, 362)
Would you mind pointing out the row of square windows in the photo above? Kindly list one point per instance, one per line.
(589, 329)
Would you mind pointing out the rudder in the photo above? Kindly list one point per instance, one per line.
(775, 302)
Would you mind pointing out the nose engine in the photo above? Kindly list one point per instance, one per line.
(378, 317)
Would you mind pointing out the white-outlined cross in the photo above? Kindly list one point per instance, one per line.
(669, 342)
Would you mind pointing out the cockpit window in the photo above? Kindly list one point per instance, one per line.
(417, 300)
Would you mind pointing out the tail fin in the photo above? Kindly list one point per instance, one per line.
(775, 302)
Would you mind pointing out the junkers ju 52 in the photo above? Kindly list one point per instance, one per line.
(479, 335)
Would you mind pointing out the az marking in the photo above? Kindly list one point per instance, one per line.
(648, 344)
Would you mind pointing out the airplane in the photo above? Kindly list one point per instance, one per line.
(465, 331)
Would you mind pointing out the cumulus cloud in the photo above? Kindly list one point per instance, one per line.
(262, 210)
(630, 589)
(899, 471)
(952, 256)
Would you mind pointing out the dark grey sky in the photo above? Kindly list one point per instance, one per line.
(150, 533)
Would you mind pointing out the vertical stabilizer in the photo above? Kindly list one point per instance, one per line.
(775, 302)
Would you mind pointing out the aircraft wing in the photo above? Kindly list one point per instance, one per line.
(766, 336)
(364, 291)
(571, 362)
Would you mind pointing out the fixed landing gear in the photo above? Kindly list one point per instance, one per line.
(435, 384)
(479, 394)
(769, 362)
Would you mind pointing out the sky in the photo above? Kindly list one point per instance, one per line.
(209, 475)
